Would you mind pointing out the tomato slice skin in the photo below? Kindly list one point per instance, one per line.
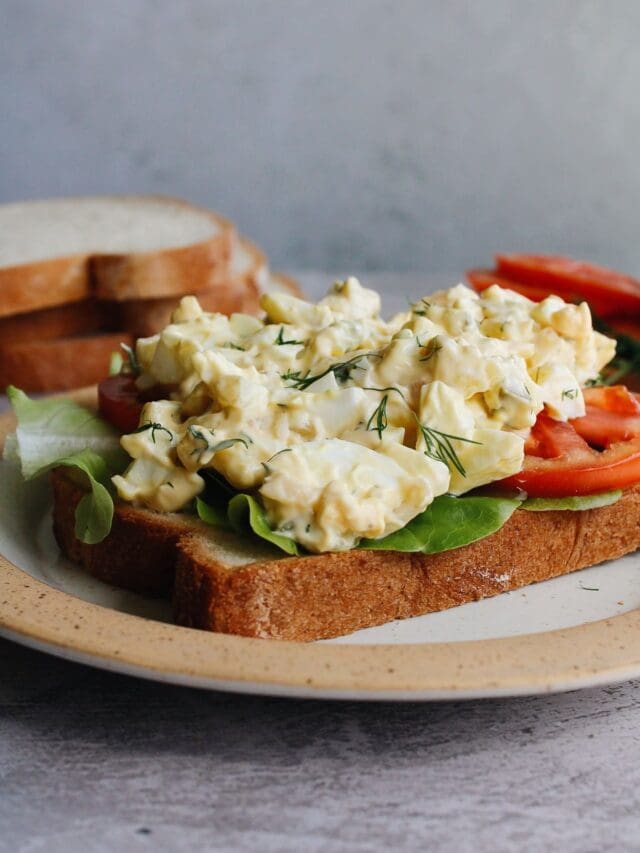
(480, 279)
(615, 468)
(119, 402)
(560, 459)
(602, 429)
(601, 287)
(612, 398)
(623, 326)
(554, 439)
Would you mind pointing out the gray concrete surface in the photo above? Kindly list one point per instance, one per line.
(91, 761)
(373, 134)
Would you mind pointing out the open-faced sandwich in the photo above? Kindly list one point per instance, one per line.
(322, 469)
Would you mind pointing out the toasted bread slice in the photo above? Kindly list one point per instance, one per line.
(117, 247)
(140, 552)
(61, 321)
(237, 291)
(58, 364)
(230, 584)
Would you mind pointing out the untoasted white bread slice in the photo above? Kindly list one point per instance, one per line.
(43, 283)
(58, 364)
(119, 247)
(280, 282)
(235, 585)
(236, 291)
(249, 265)
(146, 317)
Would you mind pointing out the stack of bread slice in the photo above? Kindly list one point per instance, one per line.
(80, 276)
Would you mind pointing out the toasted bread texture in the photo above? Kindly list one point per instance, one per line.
(229, 584)
(58, 364)
(140, 552)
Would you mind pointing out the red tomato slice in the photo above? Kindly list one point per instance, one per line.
(559, 460)
(625, 327)
(482, 279)
(612, 398)
(602, 429)
(612, 415)
(574, 280)
(119, 402)
(614, 468)
(551, 439)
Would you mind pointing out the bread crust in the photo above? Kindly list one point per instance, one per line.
(140, 552)
(287, 282)
(145, 317)
(58, 364)
(133, 275)
(61, 321)
(228, 293)
(43, 284)
(163, 273)
(327, 595)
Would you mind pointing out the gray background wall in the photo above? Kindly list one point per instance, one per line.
(384, 135)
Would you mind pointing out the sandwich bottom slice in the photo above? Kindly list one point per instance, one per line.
(227, 583)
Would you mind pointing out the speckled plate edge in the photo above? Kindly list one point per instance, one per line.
(47, 619)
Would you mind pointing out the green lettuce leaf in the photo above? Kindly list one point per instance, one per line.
(94, 512)
(50, 430)
(245, 510)
(576, 503)
(448, 523)
(52, 433)
(210, 514)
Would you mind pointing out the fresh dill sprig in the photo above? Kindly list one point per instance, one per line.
(438, 446)
(422, 312)
(430, 348)
(382, 390)
(342, 371)
(380, 416)
(229, 442)
(380, 412)
(280, 341)
(231, 345)
(133, 365)
(154, 427)
(569, 394)
(265, 465)
(198, 435)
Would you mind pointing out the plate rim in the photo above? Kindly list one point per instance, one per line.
(41, 616)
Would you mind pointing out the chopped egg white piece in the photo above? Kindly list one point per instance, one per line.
(345, 425)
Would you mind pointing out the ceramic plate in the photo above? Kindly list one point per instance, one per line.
(575, 631)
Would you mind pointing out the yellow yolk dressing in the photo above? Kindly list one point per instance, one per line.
(344, 425)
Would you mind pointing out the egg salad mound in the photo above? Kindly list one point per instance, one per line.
(346, 426)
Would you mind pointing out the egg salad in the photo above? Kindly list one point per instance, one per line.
(344, 425)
